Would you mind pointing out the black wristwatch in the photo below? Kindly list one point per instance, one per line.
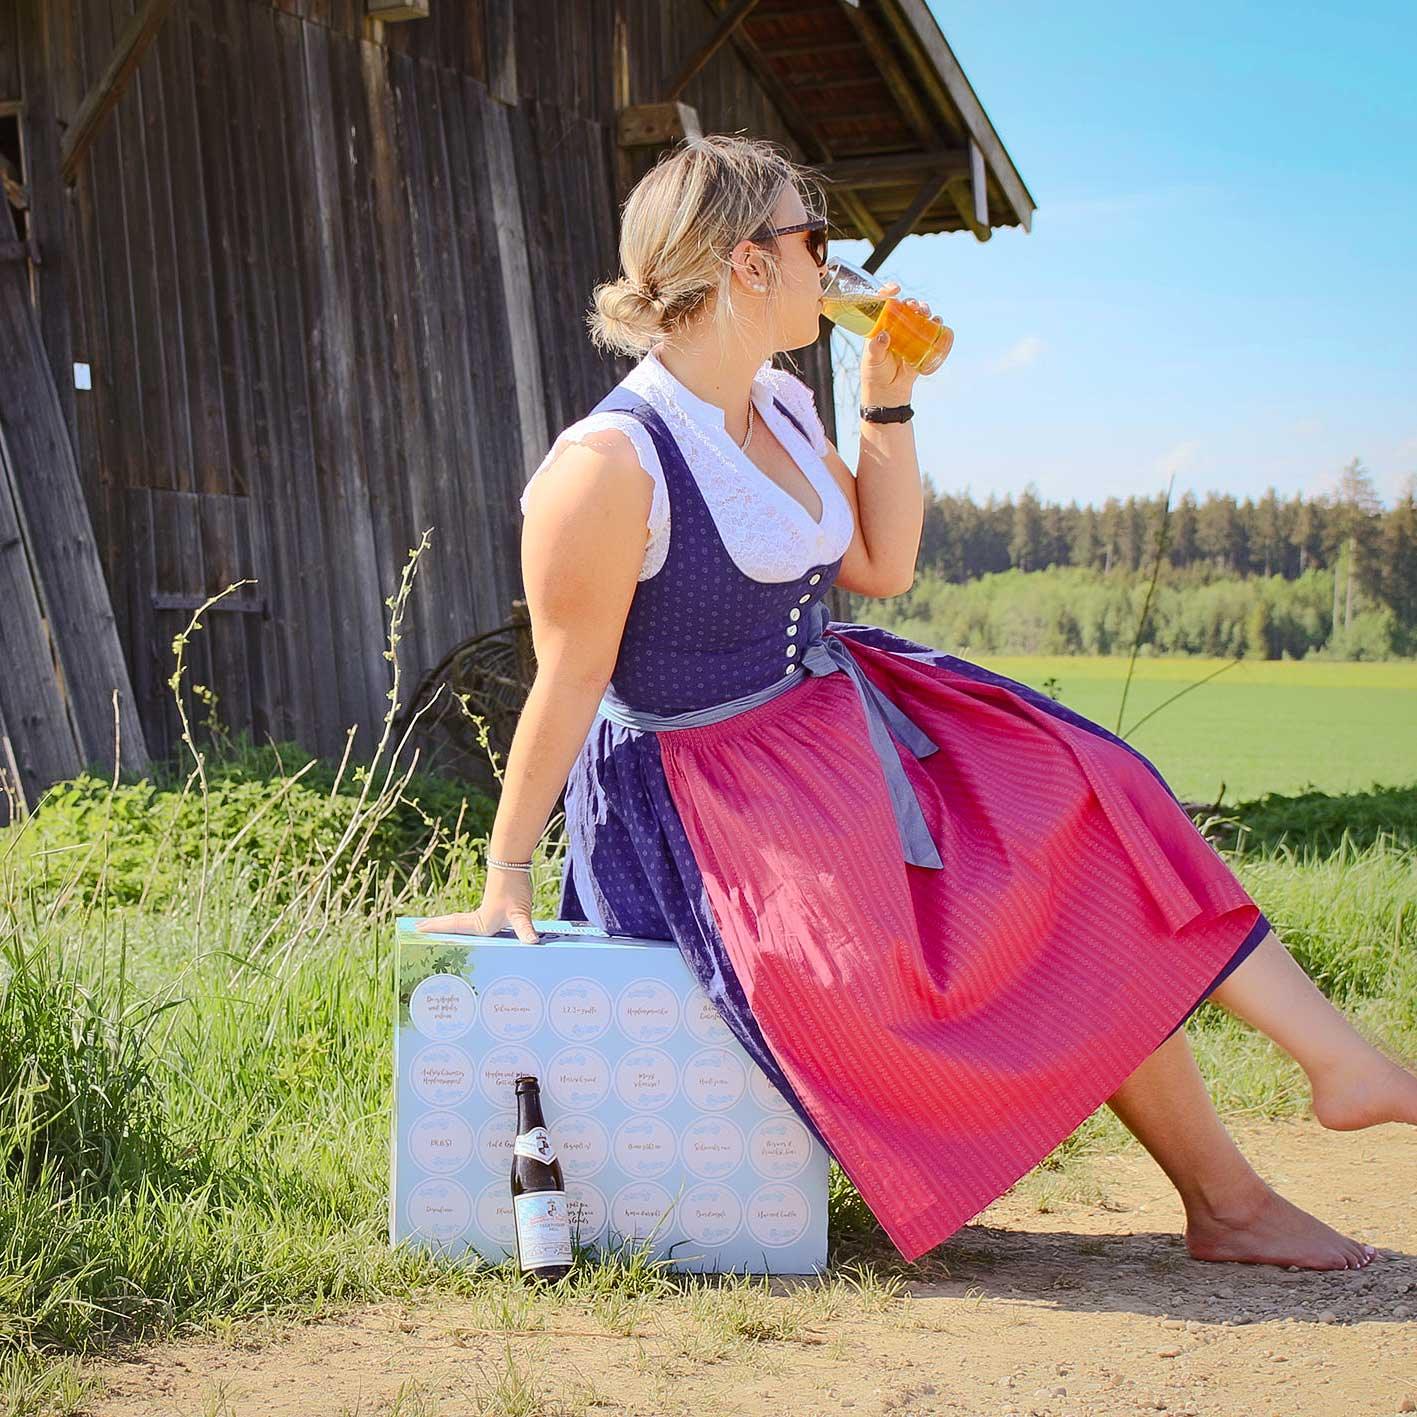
(880, 413)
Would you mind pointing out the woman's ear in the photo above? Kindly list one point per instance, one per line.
(749, 265)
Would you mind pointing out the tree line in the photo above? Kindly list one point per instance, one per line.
(1368, 551)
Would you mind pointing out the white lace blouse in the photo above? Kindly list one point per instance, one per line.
(766, 531)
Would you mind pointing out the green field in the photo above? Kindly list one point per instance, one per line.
(1259, 726)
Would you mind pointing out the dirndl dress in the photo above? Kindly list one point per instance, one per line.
(947, 915)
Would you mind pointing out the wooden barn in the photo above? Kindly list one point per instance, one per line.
(285, 283)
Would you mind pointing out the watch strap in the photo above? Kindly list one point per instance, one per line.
(884, 413)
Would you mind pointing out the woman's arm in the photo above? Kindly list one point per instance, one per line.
(887, 507)
(583, 545)
(886, 496)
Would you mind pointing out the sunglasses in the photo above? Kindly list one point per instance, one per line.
(816, 237)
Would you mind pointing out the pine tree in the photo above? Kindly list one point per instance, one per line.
(1399, 557)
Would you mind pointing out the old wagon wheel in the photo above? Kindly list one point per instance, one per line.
(486, 676)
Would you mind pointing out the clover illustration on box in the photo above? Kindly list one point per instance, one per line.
(665, 1128)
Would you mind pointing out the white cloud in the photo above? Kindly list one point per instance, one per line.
(1019, 355)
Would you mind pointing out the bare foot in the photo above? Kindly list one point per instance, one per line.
(1369, 1091)
(1267, 1229)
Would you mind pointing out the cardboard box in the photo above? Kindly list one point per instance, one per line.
(663, 1124)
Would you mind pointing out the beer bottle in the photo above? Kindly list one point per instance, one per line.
(543, 1224)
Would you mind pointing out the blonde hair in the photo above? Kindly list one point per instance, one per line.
(678, 230)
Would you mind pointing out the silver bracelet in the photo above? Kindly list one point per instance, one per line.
(510, 865)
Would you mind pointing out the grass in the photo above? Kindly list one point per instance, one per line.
(194, 1096)
(1258, 726)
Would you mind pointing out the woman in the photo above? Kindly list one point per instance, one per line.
(947, 916)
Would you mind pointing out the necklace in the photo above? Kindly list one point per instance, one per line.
(743, 445)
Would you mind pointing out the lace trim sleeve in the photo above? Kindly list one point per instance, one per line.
(800, 399)
(657, 545)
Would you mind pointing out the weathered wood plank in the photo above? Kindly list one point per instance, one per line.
(409, 457)
(340, 468)
(475, 557)
(224, 520)
(195, 256)
(432, 396)
(517, 294)
(279, 99)
(10, 84)
(31, 706)
(60, 543)
(33, 28)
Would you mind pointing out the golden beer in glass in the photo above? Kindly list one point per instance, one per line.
(854, 300)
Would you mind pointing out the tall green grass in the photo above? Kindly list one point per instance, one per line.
(195, 1041)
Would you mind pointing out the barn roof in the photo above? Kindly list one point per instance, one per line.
(880, 105)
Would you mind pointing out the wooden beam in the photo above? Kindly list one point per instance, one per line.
(127, 54)
(979, 185)
(729, 21)
(648, 125)
(924, 198)
(963, 198)
(940, 72)
(499, 24)
(398, 9)
(891, 169)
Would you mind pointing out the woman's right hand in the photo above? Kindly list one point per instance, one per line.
(506, 900)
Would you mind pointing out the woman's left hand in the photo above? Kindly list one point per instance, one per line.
(886, 379)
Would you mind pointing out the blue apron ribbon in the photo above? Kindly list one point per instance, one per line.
(827, 655)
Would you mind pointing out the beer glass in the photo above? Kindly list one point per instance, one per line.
(856, 301)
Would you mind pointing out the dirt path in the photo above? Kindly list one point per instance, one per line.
(1091, 1307)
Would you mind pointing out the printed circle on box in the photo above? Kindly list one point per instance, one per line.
(578, 1078)
(647, 1011)
(440, 1142)
(638, 1208)
(711, 1214)
(644, 1147)
(439, 1208)
(589, 1214)
(703, 1020)
(646, 1079)
(712, 1147)
(579, 1009)
(443, 1006)
(582, 1146)
(714, 1079)
(499, 1070)
(778, 1214)
(779, 1148)
(495, 1138)
(495, 1217)
(441, 1075)
(761, 1090)
(512, 1008)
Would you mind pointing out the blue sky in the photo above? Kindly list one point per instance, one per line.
(1220, 280)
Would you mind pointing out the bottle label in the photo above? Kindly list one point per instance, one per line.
(536, 1144)
(543, 1228)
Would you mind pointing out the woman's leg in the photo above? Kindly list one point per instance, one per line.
(1353, 1084)
(1231, 1214)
